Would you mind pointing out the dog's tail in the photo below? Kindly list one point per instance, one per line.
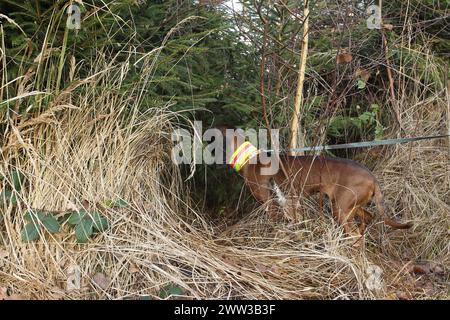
(378, 197)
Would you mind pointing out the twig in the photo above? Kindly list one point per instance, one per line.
(389, 71)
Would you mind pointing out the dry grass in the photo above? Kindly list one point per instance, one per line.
(96, 154)
(94, 145)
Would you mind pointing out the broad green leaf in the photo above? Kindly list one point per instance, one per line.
(379, 131)
(104, 225)
(34, 216)
(120, 203)
(100, 223)
(360, 84)
(17, 179)
(64, 218)
(367, 117)
(7, 196)
(83, 230)
(170, 290)
(76, 217)
(375, 107)
(30, 232)
(51, 224)
(13, 199)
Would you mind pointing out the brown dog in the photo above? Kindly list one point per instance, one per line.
(348, 185)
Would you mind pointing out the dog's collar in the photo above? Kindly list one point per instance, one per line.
(242, 155)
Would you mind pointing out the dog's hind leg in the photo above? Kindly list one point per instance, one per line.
(344, 217)
(365, 218)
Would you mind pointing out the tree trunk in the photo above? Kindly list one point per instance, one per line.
(297, 137)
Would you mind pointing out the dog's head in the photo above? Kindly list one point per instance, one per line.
(238, 152)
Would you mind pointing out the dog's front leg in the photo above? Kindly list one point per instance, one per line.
(272, 210)
(286, 202)
(292, 210)
(262, 192)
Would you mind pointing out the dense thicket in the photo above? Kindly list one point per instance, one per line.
(210, 64)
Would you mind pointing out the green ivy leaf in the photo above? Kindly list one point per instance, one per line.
(30, 232)
(170, 290)
(76, 217)
(5, 195)
(51, 224)
(120, 203)
(34, 216)
(8, 196)
(100, 223)
(360, 84)
(64, 218)
(83, 230)
(17, 179)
